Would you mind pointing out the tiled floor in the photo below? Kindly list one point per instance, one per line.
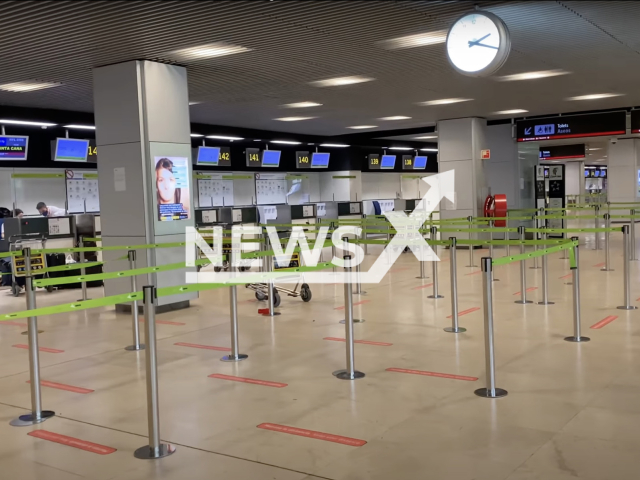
(573, 410)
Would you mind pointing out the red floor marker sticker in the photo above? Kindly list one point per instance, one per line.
(301, 432)
(164, 322)
(14, 324)
(464, 312)
(433, 374)
(204, 347)
(248, 380)
(42, 349)
(603, 322)
(568, 275)
(423, 286)
(357, 303)
(72, 442)
(364, 342)
(530, 289)
(62, 386)
(600, 265)
(473, 273)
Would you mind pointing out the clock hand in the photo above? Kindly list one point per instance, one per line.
(477, 42)
(487, 46)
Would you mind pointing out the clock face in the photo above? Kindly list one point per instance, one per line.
(478, 44)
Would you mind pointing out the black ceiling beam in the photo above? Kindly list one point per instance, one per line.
(363, 136)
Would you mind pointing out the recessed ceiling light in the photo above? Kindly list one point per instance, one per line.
(81, 127)
(338, 81)
(425, 138)
(24, 122)
(27, 86)
(510, 112)
(397, 117)
(592, 149)
(196, 135)
(195, 103)
(532, 75)
(400, 148)
(428, 149)
(285, 142)
(224, 137)
(302, 105)
(336, 145)
(293, 119)
(444, 101)
(416, 40)
(211, 50)
(360, 127)
(595, 96)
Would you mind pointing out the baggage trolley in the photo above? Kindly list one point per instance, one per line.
(262, 289)
(38, 261)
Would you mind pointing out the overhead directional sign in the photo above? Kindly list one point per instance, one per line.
(561, 152)
(572, 126)
(635, 121)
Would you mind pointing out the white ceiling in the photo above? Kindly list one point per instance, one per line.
(294, 43)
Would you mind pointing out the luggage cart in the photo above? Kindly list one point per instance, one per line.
(226, 263)
(38, 261)
(262, 289)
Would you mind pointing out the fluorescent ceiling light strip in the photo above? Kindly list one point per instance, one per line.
(81, 127)
(510, 112)
(396, 117)
(360, 127)
(532, 75)
(401, 148)
(595, 96)
(444, 101)
(24, 122)
(302, 105)
(428, 149)
(336, 145)
(223, 137)
(293, 119)
(211, 50)
(425, 138)
(285, 142)
(416, 40)
(338, 81)
(196, 135)
(27, 86)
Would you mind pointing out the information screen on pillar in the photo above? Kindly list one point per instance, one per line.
(388, 161)
(13, 147)
(419, 162)
(320, 160)
(208, 156)
(172, 188)
(270, 158)
(71, 150)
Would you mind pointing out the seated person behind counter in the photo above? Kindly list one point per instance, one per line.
(50, 211)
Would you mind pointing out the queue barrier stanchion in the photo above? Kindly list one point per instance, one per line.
(540, 212)
(235, 355)
(155, 449)
(37, 415)
(83, 284)
(453, 265)
(523, 271)
(491, 225)
(131, 255)
(271, 287)
(627, 281)
(632, 227)
(350, 373)
(596, 211)
(355, 320)
(575, 273)
(545, 278)
(491, 391)
(607, 256)
(359, 290)
(434, 265)
(470, 220)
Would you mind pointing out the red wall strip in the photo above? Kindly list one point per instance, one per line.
(42, 349)
(62, 386)
(328, 437)
(247, 380)
(365, 342)
(603, 322)
(433, 374)
(72, 442)
(205, 347)
(464, 312)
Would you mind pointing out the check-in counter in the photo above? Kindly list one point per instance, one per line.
(59, 232)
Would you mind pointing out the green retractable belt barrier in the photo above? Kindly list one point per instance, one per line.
(536, 253)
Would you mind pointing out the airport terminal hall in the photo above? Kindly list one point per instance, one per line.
(319, 240)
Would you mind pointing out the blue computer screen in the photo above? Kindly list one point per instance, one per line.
(388, 161)
(71, 150)
(419, 163)
(208, 155)
(319, 160)
(270, 158)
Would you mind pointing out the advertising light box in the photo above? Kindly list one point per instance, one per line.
(13, 147)
(172, 188)
(572, 126)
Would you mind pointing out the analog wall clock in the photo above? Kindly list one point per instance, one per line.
(478, 44)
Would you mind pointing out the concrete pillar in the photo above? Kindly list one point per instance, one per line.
(622, 172)
(141, 117)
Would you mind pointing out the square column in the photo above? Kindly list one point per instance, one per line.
(142, 118)
(622, 172)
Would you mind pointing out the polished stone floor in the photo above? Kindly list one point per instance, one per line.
(573, 410)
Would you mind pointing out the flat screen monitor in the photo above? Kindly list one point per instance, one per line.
(172, 188)
(13, 147)
(419, 163)
(586, 173)
(597, 173)
(71, 150)
(270, 158)
(388, 161)
(320, 160)
(208, 156)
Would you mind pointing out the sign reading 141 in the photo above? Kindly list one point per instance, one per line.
(478, 44)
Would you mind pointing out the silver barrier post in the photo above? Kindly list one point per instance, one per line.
(359, 290)
(131, 254)
(470, 220)
(632, 227)
(545, 278)
(271, 289)
(575, 272)
(607, 256)
(627, 282)
(535, 247)
(434, 265)
(155, 449)
(83, 284)
(490, 362)
(523, 271)
(596, 210)
(37, 415)
(235, 355)
(363, 236)
(453, 264)
(345, 241)
(491, 225)
(350, 373)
